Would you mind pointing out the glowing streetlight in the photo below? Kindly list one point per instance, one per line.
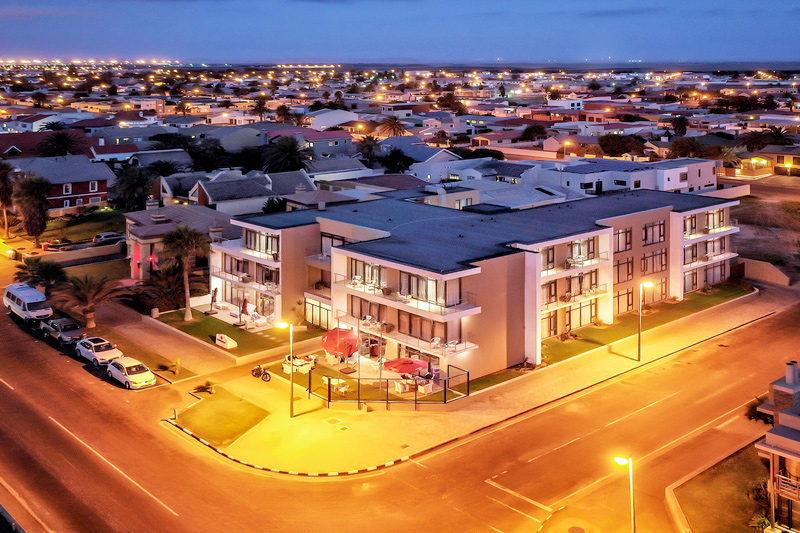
(628, 461)
(649, 285)
(566, 143)
(284, 325)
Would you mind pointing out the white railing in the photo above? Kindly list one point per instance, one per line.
(701, 232)
(569, 298)
(245, 280)
(389, 294)
(574, 263)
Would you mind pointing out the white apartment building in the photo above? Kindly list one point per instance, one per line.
(477, 291)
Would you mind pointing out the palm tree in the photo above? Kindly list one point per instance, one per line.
(297, 119)
(441, 137)
(369, 148)
(282, 113)
(182, 107)
(133, 187)
(778, 135)
(338, 97)
(39, 98)
(680, 124)
(729, 157)
(754, 140)
(285, 154)
(34, 271)
(164, 288)
(533, 132)
(61, 143)
(162, 168)
(182, 244)
(260, 107)
(686, 147)
(56, 125)
(7, 181)
(30, 196)
(83, 295)
(391, 127)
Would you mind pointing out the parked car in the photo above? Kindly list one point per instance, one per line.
(62, 330)
(108, 237)
(26, 302)
(131, 373)
(97, 350)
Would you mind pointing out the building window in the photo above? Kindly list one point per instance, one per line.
(430, 290)
(623, 240)
(95, 200)
(79, 201)
(690, 254)
(371, 274)
(582, 249)
(581, 315)
(657, 293)
(654, 262)
(67, 188)
(548, 257)
(261, 242)
(549, 293)
(684, 176)
(690, 225)
(66, 203)
(623, 270)
(715, 219)
(234, 265)
(423, 328)
(654, 233)
(549, 324)
(690, 281)
(318, 313)
(458, 204)
(621, 182)
(328, 241)
(623, 301)
(92, 186)
(637, 184)
(361, 307)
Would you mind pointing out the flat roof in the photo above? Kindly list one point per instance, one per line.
(444, 240)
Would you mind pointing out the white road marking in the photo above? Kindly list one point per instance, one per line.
(515, 510)
(112, 465)
(518, 495)
(24, 504)
(729, 422)
(417, 463)
(602, 428)
(4, 382)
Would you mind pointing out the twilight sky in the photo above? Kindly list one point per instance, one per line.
(401, 30)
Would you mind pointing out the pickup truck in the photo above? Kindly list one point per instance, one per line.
(62, 330)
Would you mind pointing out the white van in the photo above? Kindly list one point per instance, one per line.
(26, 302)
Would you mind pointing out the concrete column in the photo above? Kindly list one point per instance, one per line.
(532, 307)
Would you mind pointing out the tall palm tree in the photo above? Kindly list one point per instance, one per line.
(754, 140)
(83, 295)
(55, 125)
(133, 186)
(283, 113)
(162, 167)
(686, 147)
(7, 181)
(729, 157)
(778, 135)
(338, 97)
(34, 272)
(297, 119)
(680, 124)
(61, 143)
(182, 107)
(369, 148)
(285, 154)
(182, 244)
(391, 127)
(260, 107)
(30, 196)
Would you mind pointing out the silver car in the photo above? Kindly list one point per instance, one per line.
(62, 330)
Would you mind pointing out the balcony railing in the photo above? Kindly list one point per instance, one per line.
(787, 486)
(246, 280)
(574, 263)
(711, 257)
(390, 294)
(570, 298)
(433, 346)
(701, 232)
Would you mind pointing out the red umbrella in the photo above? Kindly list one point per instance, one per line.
(405, 365)
(340, 342)
(244, 307)
(213, 297)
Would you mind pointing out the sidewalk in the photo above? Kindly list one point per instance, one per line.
(319, 441)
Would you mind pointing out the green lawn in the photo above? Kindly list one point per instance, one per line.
(206, 327)
(150, 358)
(85, 227)
(716, 500)
(555, 350)
(221, 418)
(119, 269)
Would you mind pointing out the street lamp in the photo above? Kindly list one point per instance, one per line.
(284, 325)
(788, 169)
(566, 143)
(649, 285)
(628, 461)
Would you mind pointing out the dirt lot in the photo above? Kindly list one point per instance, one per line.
(769, 231)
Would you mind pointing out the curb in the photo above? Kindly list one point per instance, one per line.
(455, 439)
(674, 507)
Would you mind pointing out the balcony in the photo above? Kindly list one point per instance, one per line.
(574, 263)
(356, 285)
(235, 247)
(787, 486)
(246, 280)
(711, 258)
(322, 261)
(697, 233)
(570, 298)
(389, 331)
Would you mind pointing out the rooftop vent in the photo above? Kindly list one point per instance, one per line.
(158, 218)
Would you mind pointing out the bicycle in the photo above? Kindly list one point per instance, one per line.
(261, 372)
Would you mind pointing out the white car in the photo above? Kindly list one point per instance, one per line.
(97, 350)
(108, 237)
(131, 373)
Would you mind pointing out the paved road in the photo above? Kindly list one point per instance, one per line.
(783, 188)
(64, 426)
